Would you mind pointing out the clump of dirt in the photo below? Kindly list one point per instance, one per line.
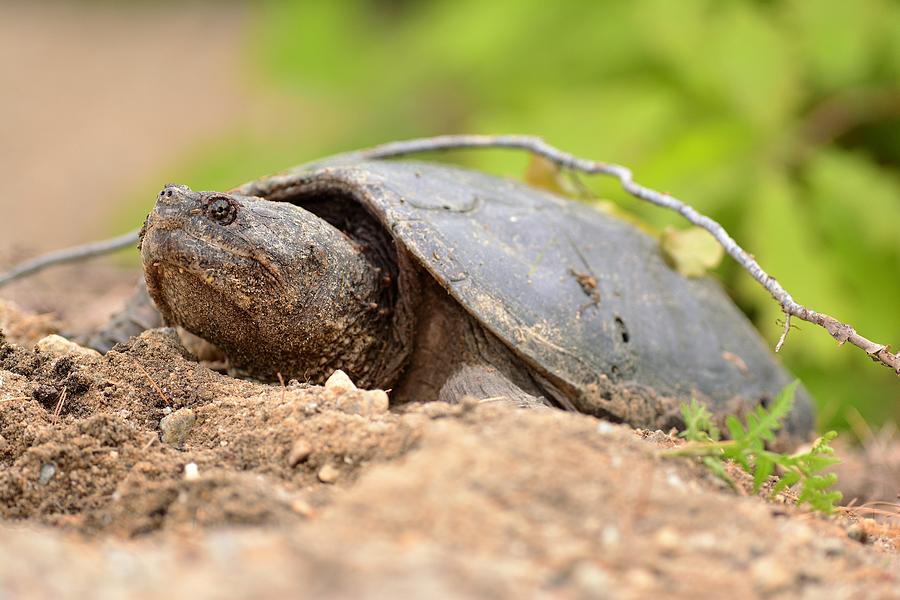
(85, 440)
(143, 467)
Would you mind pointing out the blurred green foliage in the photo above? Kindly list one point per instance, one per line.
(779, 119)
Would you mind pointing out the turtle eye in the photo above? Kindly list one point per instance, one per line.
(221, 210)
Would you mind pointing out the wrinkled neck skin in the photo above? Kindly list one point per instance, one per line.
(276, 288)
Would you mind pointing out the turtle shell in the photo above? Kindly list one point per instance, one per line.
(584, 299)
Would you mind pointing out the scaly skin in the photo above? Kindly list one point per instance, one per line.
(276, 288)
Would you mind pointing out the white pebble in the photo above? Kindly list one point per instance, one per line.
(302, 507)
(191, 471)
(329, 474)
(299, 452)
(605, 428)
(674, 480)
(46, 474)
(339, 383)
(667, 540)
(609, 536)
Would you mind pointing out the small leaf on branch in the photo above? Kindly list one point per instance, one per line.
(692, 252)
(546, 175)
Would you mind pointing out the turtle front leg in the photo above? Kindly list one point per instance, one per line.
(486, 383)
(455, 357)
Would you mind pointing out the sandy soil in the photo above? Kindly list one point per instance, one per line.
(145, 474)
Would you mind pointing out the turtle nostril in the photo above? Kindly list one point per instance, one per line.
(175, 191)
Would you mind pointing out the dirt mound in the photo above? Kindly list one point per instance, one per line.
(101, 444)
(143, 473)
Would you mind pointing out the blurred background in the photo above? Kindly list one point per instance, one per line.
(779, 119)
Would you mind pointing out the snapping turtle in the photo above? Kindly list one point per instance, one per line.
(440, 282)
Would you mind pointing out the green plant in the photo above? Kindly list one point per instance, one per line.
(747, 448)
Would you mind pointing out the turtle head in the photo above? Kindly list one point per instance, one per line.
(270, 284)
(212, 243)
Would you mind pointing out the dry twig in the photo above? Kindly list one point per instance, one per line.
(153, 438)
(283, 387)
(159, 391)
(57, 411)
(59, 257)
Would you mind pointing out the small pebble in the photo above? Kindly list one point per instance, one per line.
(339, 383)
(177, 426)
(191, 471)
(610, 536)
(302, 508)
(57, 344)
(674, 480)
(48, 470)
(300, 451)
(329, 474)
(667, 539)
(858, 533)
(605, 428)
